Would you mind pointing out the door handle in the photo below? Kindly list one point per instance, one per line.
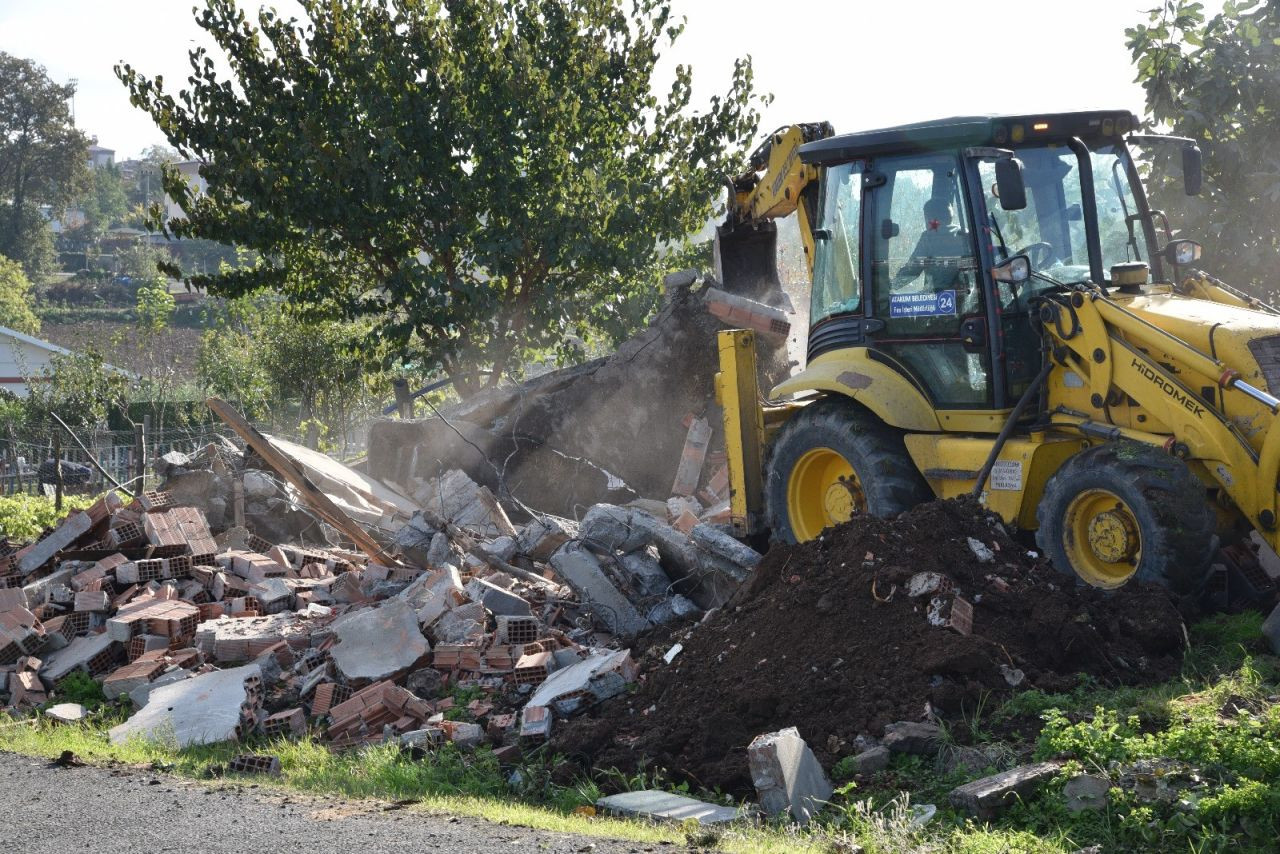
(973, 333)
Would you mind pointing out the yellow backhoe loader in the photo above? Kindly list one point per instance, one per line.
(997, 310)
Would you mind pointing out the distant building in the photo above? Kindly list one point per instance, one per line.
(100, 157)
(24, 358)
(190, 170)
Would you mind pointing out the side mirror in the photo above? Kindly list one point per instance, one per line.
(888, 229)
(1015, 271)
(1009, 184)
(1192, 169)
(1182, 252)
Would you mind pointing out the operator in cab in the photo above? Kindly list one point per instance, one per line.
(938, 252)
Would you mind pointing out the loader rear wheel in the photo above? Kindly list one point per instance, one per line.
(831, 462)
(1121, 511)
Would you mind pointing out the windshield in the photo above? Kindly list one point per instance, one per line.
(1050, 229)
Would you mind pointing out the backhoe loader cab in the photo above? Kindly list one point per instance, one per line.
(995, 308)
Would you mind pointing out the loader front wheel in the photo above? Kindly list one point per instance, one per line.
(1121, 511)
(831, 462)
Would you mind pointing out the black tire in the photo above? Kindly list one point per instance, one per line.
(890, 481)
(1169, 504)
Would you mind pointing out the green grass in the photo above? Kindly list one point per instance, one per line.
(1217, 717)
(23, 517)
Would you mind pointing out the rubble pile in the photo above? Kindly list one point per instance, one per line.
(914, 619)
(216, 638)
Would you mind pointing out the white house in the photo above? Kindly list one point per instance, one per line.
(99, 157)
(189, 170)
(24, 358)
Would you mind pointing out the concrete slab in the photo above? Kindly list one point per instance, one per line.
(664, 806)
(987, 797)
(205, 709)
(787, 775)
(66, 713)
(38, 554)
(377, 643)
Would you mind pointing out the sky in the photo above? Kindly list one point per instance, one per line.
(857, 64)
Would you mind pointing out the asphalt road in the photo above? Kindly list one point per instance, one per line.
(51, 810)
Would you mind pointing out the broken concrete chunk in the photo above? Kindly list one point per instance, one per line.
(711, 539)
(582, 571)
(376, 643)
(83, 653)
(1271, 629)
(496, 600)
(664, 806)
(460, 500)
(541, 537)
(922, 739)
(610, 528)
(674, 608)
(66, 713)
(787, 775)
(206, 709)
(1086, 792)
(535, 722)
(601, 675)
(985, 798)
(645, 572)
(41, 552)
(981, 551)
(871, 760)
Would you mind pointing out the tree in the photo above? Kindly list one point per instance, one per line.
(476, 177)
(42, 159)
(80, 387)
(1214, 80)
(15, 299)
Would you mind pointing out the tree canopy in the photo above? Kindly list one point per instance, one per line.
(15, 299)
(479, 177)
(42, 159)
(1216, 80)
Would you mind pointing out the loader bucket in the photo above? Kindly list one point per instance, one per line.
(747, 260)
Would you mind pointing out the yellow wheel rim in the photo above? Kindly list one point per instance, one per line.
(823, 491)
(1102, 538)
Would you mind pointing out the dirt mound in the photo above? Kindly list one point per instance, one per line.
(827, 639)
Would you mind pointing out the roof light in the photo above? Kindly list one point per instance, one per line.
(1040, 126)
(1017, 133)
(1108, 127)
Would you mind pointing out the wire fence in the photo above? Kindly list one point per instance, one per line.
(27, 466)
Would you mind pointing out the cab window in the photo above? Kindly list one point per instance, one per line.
(837, 286)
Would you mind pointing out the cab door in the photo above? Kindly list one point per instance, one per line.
(924, 283)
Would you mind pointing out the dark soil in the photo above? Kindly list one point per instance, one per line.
(827, 640)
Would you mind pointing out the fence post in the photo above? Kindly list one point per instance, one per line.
(139, 455)
(57, 469)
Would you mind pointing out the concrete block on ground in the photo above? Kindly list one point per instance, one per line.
(580, 568)
(787, 775)
(709, 538)
(496, 600)
(535, 722)
(922, 739)
(376, 643)
(871, 760)
(986, 798)
(664, 806)
(1271, 630)
(610, 528)
(66, 713)
(206, 709)
(1086, 792)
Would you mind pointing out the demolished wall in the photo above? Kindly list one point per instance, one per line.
(553, 442)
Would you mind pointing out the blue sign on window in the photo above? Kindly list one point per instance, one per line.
(922, 305)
